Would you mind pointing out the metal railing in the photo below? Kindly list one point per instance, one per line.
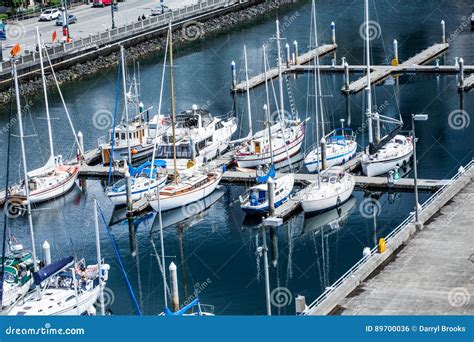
(389, 237)
(112, 36)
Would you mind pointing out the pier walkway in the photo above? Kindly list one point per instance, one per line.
(380, 73)
(424, 270)
(272, 73)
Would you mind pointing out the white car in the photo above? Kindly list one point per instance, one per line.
(160, 9)
(50, 14)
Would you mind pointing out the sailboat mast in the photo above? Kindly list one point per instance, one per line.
(124, 80)
(45, 94)
(99, 257)
(248, 92)
(266, 107)
(280, 77)
(367, 56)
(173, 126)
(25, 175)
(319, 95)
(316, 102)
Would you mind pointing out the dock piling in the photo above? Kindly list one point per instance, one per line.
(324, 162)
(129, 192)
(288, 58)
(174, 287)
(300, 303)
(461, 73)
(295, 48)
(271, 196)
(80, 139)
(456, 62)
(47, 253)
(234, 76)
(333, 31)
(395, 52)
(443, 29)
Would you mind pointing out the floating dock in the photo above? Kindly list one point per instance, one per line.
(273, 73)
(362, 182)
(422, 271)
(469, 82)
(378, 74)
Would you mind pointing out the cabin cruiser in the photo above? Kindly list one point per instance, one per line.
(200, 137)
(141, 136)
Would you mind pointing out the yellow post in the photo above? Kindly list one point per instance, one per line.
(382, 245)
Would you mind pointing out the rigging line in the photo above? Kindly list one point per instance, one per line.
(5, 217)
(119, 259)
(160, 264)
(117, 94)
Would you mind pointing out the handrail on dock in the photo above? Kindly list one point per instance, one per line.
(393, 233)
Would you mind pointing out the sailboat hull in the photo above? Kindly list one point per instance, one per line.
(179, 200)
(340, 157)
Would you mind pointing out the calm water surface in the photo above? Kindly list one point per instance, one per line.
(216, 250)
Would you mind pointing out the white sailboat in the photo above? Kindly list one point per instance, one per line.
(57, 293)
(52, 180)
(340, 144)
(190, 188)
(334, 186)
(256, 199)
(389, 152)
(286, 139)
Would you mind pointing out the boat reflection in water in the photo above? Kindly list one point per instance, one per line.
(330, 220)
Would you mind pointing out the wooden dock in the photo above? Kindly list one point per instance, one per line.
(380, 73)
(362, 182)
(469, 82)
(273, 73)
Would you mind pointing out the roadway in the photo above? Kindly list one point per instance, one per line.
(89, 20)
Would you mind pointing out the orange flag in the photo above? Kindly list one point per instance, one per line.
(15, 50)
(54, 36)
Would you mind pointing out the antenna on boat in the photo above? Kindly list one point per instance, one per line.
(124, 81)
(45, 94)
(25, 175)
(266, 107)
(173, 126)
(99, 258)
(367, 56)
(248, 92)
(316, 92)
(151, 173)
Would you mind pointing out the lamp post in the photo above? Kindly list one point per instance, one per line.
(416, 117)
(112, 10)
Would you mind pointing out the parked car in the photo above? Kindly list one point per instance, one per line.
(71, 20)
(160, 9)
(50, 14)
(101, 3)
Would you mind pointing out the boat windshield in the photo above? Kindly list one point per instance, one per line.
(120, 186)
(166, 152)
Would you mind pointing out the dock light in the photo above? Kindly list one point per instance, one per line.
(416, 117)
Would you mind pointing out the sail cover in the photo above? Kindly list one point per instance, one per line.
(52, 269)
(270, 174)
(181, 312)
(137, 170)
